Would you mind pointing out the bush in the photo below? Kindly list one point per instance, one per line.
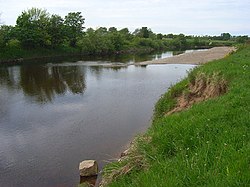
(14, 43)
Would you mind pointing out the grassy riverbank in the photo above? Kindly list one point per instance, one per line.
(205, 143)
(18, 54)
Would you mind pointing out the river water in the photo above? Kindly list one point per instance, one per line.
(54, 115)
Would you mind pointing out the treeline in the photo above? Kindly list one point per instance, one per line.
(38, 33)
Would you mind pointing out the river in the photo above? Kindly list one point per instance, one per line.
(54, 115)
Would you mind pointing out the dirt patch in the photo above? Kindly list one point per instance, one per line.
(201, 88)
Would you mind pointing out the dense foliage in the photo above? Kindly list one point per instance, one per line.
(38, 33)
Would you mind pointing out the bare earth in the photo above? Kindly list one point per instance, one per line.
(196, 57)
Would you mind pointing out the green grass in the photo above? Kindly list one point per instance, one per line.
(206, 145)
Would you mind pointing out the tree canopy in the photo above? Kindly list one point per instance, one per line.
(74, 26)
(36, 29)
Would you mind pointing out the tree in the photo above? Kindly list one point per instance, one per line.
(38, 15)
(102, 30)
(31, 28)
(242, 39)
(159, 36)
(196, 41)
(74, 26)
(180, 42)
(2, 37)
(125, 32)
(56, 30)
(89, 31)
(117, 40)
(170, 35)
(112, 29)
(144, 32)
(6, 34)
(226, 36)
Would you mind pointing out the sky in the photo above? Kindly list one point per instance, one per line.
(190, 17)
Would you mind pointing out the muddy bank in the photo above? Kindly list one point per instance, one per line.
(196, 57)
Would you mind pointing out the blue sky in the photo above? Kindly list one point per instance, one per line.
(196, 17)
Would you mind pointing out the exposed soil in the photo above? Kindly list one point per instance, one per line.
(202, 88)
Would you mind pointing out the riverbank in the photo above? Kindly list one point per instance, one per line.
(199, 134)
(55, 55)
(196, 57)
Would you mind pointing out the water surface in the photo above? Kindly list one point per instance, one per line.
(53, 116)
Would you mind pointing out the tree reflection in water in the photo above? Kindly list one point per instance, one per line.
(43, 83)
(8, 77)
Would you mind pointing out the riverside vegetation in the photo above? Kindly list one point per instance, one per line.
(199, 134)
(39, 34)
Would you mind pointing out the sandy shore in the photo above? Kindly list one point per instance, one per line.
(196, 57)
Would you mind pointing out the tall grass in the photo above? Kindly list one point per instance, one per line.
(205, 145)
